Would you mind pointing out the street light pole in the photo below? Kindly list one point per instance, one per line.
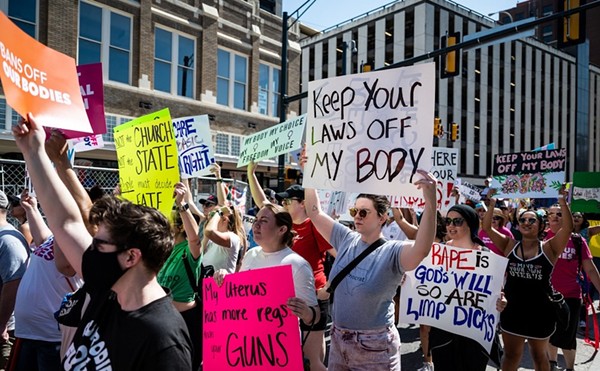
(282, 95)
(502, 12)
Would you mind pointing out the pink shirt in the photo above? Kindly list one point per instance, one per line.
(488, 241)
(564, 276)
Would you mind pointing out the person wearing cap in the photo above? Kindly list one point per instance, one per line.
(498, 220)
(451, 351)
(311, 246)
(14, 253)
(529, 314)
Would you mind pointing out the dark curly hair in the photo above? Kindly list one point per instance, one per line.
(135, 226)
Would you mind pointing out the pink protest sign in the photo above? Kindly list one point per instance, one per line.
(92, 92)
(247, 325)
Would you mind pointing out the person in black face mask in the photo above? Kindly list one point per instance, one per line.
(130, 322)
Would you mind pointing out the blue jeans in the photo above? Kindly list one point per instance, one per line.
(368, 350)
(38, 355)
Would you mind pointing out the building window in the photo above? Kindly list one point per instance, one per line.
(228, 144)
(235, 145)
(105, 36)
(268, 90)
(8, 116)
(23, 13)
(231, 79)
(113, 121)
(547, 10)
(222, 145)
(174, 63)
(547, 34)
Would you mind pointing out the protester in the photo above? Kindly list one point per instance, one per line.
(575, 258)
(181, 270)
(14, 253)
(529, 315)
(311, 246)
(273, 232)
(582, 226)
(130, 319)
(498, 221)
(224, 241)
(364, 332)
(451, 351)
(40, 294)
(18, 212)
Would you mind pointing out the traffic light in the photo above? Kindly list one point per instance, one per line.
(454, 132)
(571, 29)
(291, 174)
(367, 67)
(450, 62)
(437, 127)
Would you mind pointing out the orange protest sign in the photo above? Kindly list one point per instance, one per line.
(41, 80)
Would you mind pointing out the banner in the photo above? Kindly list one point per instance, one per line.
(194, 145)
(40, 80)
(370, 132)
(279, 139)
(586, 192)
(537, 174)
(147, 155)
(455, 289)
(247, 325)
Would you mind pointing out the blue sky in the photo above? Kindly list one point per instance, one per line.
(326, 13)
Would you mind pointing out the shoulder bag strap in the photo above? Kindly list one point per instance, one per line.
(188, 269)
(344, 272)
(576, 238)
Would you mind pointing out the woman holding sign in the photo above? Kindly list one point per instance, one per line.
(452, 351)
(529, 313)
(364, 334)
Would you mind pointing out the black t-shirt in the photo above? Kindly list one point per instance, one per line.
(154, 337)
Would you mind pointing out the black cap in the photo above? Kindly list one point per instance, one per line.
(295, 191)
(14, 200)
(472, 220)
(210, 200)
(270, 193)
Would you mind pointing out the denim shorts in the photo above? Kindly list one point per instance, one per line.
(369, 350)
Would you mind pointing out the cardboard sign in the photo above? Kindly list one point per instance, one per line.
(40, 80)
(279, 139)
(370, 132)
(86, 143)
(455, 289)
(469, 191)
(538, 174)
(246, 322)
(194, 145)
(586, 192)
(147, 155)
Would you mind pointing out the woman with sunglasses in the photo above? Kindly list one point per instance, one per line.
(498, 221)
(451, 351)
(529, 315)
(565, 279)
(364, 334)
(224, 241)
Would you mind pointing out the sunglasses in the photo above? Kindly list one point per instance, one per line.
(577, 216)
(559, 214)
(288, 201)
(457, 222)
(497, 218)
(530, 221)
(361, 212)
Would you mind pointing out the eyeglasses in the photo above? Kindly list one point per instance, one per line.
(497, 218)
(288, 201)
(457, 222)
(530, 221)
(559, 214)
(361, 212)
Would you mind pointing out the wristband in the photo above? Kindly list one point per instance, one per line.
(184, 207)
(219, 180)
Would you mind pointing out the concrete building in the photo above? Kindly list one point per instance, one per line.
(509, 97)
(213, 57)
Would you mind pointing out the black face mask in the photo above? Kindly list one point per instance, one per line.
(100, 269)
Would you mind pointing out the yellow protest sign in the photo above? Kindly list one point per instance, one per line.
(147, 154)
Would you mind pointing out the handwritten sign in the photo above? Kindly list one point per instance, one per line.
(147, 155)
(246, 322)
(370, 132)
(469, 191)
(194, 145)
(586, 192)
(279, 139)
(455, 289)
(538, 174)
(40, 80)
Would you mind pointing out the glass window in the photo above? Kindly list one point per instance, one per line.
(162, 60)
(222, 144)
(235, 145)
(171, 49)
(231, 92)
(105, 36)
(268, 90)
(24, 14)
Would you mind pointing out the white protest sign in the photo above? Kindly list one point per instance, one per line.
(455, 289)
(277, 140)
(86, 143)
(470, 191)
(194, 145)
(370, 132)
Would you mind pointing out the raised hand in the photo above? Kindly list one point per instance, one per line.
(29, 135)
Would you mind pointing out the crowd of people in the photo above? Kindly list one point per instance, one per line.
(108, 284)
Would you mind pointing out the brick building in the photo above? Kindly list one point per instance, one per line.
(213, 57)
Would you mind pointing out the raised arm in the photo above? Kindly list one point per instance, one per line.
(190, 201)
(501, 241)
(39, 230)
(413, 253)
(558, 243)
(323, 222)
(211, 229)
(410, 230)
(189, 223)
(61, 210)
(216, 170)
(258, 194)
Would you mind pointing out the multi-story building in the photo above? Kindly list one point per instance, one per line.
(509, 97)
(194, 57)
